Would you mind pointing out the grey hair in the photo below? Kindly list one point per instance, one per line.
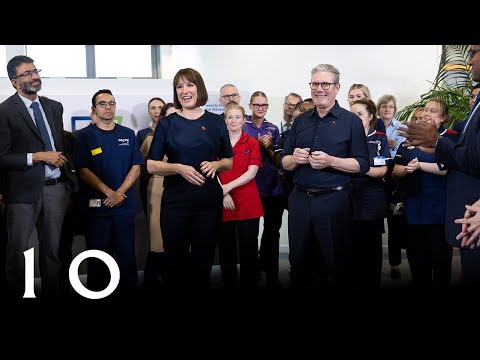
(327, 68)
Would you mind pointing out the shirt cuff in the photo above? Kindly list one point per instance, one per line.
(29, 159)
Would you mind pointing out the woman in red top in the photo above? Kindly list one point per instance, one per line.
(242, 207)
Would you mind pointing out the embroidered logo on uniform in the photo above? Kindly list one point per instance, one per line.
(410, 147)
(124, 142)
(96, 151)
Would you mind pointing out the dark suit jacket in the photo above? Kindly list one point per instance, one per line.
(19, 136)
(463, 178)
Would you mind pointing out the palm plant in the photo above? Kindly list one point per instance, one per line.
(452, 84)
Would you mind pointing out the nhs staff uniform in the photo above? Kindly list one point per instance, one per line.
(110, 155)
(425, 208)
(190, 215)
(369, 211)
(319, 207)
(271, 192)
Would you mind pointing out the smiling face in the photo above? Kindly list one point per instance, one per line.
(432, 113)
(324, 99)
(187, 94)
(355, 94)
(259, 106)
(27, 85)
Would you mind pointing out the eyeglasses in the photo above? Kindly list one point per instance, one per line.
(471, 53)
(230, 96)
(104, 104)
(28, 73)
(258, 106)
(288, 104)
(324, 85)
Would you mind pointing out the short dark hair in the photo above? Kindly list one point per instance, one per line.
(193, 76)
(15, 62)
(103, 91)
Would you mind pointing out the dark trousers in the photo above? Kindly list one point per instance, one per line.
(248, 248)
(367, 253)
(273, 207)
(3, 251)
(430, 256)
(73, 224)
(46, 215)
(191, 216)
(470, 268)
(143, 193)
(327, 220)
(397, 234)
(114, 235)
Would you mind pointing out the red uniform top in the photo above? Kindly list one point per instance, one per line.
(246, 197)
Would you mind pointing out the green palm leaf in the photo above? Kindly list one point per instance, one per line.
(452, 84)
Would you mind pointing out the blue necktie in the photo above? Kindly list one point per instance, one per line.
(41, 126)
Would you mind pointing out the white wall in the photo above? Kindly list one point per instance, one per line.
(401, 70)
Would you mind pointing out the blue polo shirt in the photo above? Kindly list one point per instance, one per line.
(339, 133)
(268, 180)
(110, 155)
(190, 142)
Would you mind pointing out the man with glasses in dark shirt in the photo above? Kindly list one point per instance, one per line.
(324, 148)
(229, 94)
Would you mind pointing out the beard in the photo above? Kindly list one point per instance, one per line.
(29, 88)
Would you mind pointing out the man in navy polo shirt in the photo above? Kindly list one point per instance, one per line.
(109, 160)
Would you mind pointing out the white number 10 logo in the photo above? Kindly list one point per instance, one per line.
(73, 274)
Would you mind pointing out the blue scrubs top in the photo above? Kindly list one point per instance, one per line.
(110, 155)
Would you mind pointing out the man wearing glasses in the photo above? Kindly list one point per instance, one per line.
(36, 182)
(463, 178)
(109, 160)
(229, 94)
(325, 147)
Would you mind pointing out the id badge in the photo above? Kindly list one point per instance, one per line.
(379, 161)
(95, 203)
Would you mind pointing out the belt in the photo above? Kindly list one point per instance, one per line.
(50, 182)
(321, 191)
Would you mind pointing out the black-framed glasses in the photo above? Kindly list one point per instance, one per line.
(230, 96)
(289, 104)
(471, 53)
(324, 85)
(258, 106)
(104, 104)
(28, 73)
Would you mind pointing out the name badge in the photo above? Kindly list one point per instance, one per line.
(379, 161)
(96, 151)
(94, 203)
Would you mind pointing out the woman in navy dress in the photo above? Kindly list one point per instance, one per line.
(197, 145)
